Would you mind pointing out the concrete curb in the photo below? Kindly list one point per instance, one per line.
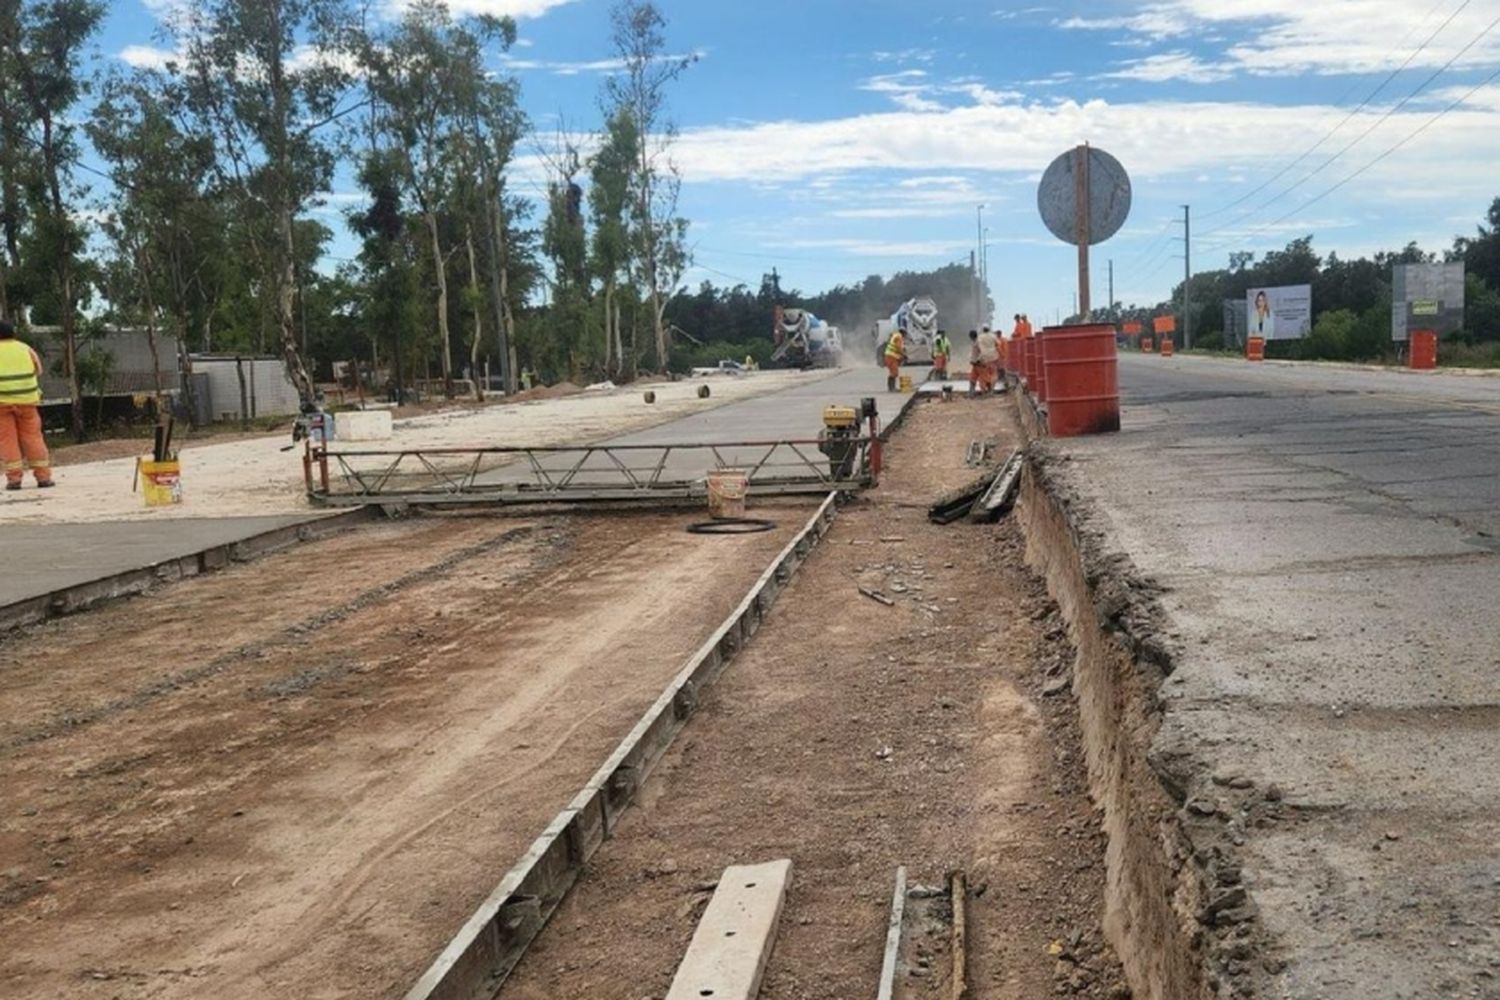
(491, 942)
(94, 593)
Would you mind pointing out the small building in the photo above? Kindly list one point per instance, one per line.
(243, 387)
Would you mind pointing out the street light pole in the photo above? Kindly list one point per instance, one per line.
(979, 266)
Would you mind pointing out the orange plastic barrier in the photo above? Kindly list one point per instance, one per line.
(1166, 347)
(1423, 350)
(1255, 348)
(1082, 380)
(1028, 361)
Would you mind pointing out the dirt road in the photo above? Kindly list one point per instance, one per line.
(852, 737)
(297, 777)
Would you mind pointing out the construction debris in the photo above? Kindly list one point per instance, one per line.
(876, 595)
(998, 498)
(956, 504)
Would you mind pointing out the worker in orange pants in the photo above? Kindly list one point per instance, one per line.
(21, 442)
(895, 353)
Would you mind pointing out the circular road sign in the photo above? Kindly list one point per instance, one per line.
(1108, 196)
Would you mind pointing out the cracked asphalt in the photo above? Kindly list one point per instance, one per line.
(1329, 544)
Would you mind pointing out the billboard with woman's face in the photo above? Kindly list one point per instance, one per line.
(1283, 313)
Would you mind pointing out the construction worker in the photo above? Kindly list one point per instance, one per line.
(21, 442)
(984, 357)
(895, 353)
(942, 350)
(1026, 330)
(1018, 332)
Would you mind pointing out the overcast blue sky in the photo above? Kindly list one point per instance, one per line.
(833, 138)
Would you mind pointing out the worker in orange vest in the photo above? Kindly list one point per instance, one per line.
(1018, 332)
(1026, 329)
(895, 353)
(21, 442)
(984, 358)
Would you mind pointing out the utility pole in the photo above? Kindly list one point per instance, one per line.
(976, 261)
(1187, 276)
(974, 272)
(1111, 289)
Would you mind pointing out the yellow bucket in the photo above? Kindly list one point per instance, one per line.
(161, 482)
(727, 489)
(906, 383)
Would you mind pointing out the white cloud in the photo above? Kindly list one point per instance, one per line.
(518, 9)
(148, 56)
(1152, 139)
(568, 68)
(1292, 37)
(891, 249)
(1167, 66)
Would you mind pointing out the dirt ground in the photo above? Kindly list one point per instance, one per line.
(853, 737)
(297, 777)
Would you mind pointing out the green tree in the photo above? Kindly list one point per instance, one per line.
(44, 43)
(658, 233)
(267, 104)
(609, 204)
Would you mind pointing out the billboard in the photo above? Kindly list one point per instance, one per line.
(1283, 313)
(1426, 297)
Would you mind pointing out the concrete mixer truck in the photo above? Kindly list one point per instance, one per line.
(804, 341)
(919, 318)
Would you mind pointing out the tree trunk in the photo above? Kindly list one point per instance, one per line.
(281, 197)
(64, 276)
(440, 273)
(500, 282)
(609, 327)
(478, 314)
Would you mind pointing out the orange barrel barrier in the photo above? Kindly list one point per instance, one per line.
(1255, 348)
(1039, 390)
(1147, 345)
(1422, 351)
(1083, 383)
(1166, 347)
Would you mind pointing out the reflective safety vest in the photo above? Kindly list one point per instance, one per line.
(18, 379)
(941, 346)
(895, 346)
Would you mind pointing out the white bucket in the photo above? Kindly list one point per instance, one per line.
(727, 489)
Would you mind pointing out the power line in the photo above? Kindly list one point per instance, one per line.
(1416, 132)
(1363, 135)
(1360, 107)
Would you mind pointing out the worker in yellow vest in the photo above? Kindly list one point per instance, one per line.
(895, 353)
(942, 350)
(21, 442)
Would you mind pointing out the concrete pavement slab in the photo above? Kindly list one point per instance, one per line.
(1324, 541)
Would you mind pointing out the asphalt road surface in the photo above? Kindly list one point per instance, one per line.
(1329, 541)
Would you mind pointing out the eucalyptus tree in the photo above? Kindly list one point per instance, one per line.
(43, 45)
(433, 99)
(265, 79)
(658, 234)
(610, 170)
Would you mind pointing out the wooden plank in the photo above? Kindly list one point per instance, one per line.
(733, 942)
(887, 988)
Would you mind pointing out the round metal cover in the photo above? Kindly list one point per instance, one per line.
(1109, 196)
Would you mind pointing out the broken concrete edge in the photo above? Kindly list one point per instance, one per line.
(886, 430)
(479, 958)
(128, 583)
(1175, 910)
